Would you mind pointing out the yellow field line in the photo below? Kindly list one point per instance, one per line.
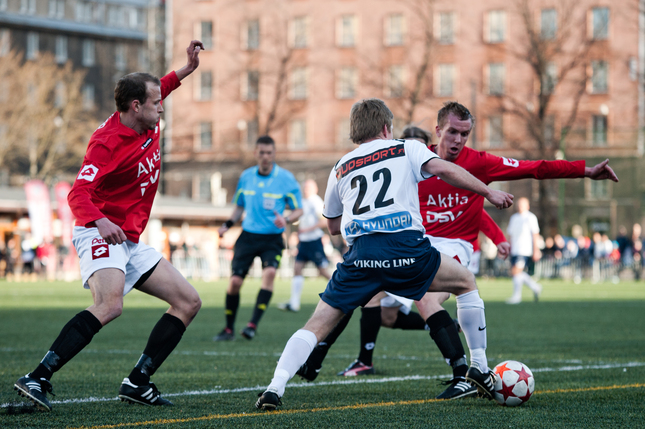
(346, 407)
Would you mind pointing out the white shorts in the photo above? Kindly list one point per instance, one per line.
(134, 259)
(453, 247)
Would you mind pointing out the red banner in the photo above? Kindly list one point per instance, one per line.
(61, 189)
(40, 211)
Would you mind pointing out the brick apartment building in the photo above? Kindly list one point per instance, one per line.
(317, 58)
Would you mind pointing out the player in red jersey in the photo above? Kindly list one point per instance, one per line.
(111, 200)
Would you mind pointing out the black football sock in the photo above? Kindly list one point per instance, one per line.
(370, 325)
(162, 341)
(317, 356)
(444, 333)
(261, 304)
(232, 304)
(410, 321)
(74, 336)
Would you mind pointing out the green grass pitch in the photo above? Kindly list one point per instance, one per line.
(585, 344)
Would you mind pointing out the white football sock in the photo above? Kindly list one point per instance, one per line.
(297, 284)
(529, 281)
(517, 287)
(294, 355)
(472, 318)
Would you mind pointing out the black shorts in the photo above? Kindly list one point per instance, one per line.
(249, 245)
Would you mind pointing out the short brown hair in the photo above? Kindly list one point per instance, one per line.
(459, 110)
(412, 132)
(132, 87)
(367, 119)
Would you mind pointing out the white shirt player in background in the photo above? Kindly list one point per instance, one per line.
(523, 231)
(310, 247)
(372, 199)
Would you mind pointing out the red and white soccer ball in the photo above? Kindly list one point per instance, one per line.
(515, 383)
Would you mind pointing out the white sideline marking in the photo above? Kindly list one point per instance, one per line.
(345, 381)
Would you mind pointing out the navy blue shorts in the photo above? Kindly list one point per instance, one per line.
(521, 261)
(312, 251)
(403, 263)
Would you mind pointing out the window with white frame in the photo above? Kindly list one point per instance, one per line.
(89, 53)
(250, 85)
(346, 83)
(548, 24)
(205, 88)
(342, 134)
(496, 78)
(3, 5)
(598, 189)
(252, 132)
(56, 9)
(33, 42)
(346, 31)
(298, 84)
(599, 76)
(88, 96)
(202, 187)
(445, 80)
(5, 42)
(60, 95)
(83, 11)
(394, 81)
(61, 49)
(205, 33)
(496, 26)
(495, 131)
(205, 134)
(394, 30)
(143, 59)
(549, 78)
(600, 23)
(28, 7)
(599, 130)
(251, 35)
(115, 16)
(446, 28)
(298, 134)
(120, 57)
(299, 32)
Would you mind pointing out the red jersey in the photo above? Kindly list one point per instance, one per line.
(120, 174)
(451, 212)
(490, 229)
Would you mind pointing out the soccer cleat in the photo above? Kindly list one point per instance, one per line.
(458, 388)
(485, 383)
(226, 335)
(35, 390)
(145, 395)
(308, 372)
(248, 332)
(513, 300)
(357, 368)
(287, 307)
(268, 401)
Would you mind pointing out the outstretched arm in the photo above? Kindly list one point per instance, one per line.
(193, 59)
(601, 171)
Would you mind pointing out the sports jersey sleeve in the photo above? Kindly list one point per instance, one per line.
(418, 154)
(535, 227)
(96, 165)
(491, 229)
(500, 168)
(169, 83)
(293, 197)
(333, 205)
(238, 198)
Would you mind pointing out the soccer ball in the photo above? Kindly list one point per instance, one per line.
(514, 384)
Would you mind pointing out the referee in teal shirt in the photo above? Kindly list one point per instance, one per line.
(264, 192)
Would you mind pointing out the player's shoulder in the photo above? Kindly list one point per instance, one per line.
(284, 173)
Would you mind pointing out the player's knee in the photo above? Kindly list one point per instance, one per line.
(111, 311)
(235, 285)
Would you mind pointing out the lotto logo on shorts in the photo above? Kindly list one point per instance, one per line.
(102, 251)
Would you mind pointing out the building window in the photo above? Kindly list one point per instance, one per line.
(346, 31)
(252, 132)
(599, 130)
(445, 80)
(252, 35)
(599, 189)
(600, 23)
(496, 77)
(346, 83)
(298, 84)
(61, 49)
(299, 32)
(342, 134)
(394, 30)
(394, 82)
(205, 85)
(84, 11)
(60, 95)
(88, 96)
(496, 26)
(28, 7)
(5, 42)
(205, 136)
(298, 134)
(599, 74)
(3, 5)
(56, 9)
(202, 188)
(548, 24)
(251, 85)
(446, 28)
(115, 16)
(120, 58)
(89, 53)
(550, 78)
(143, 59)
(33, 41)
(205, 33)
(495, 131)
